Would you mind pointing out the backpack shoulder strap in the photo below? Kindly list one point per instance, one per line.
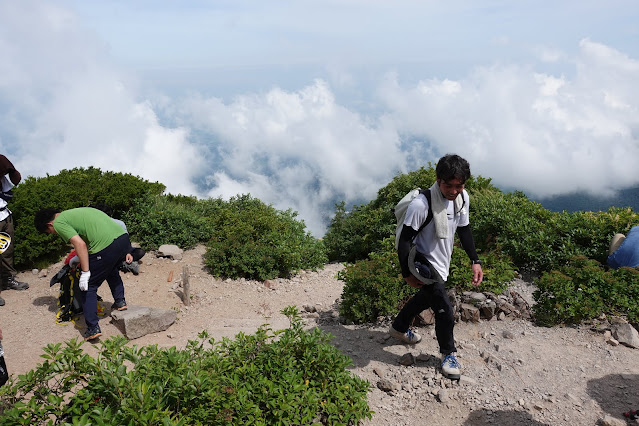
(429, 217)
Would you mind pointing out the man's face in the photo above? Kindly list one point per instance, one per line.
(450, 189)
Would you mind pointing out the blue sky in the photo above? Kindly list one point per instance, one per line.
(303, 103)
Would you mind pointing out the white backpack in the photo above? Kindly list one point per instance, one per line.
(402, 206)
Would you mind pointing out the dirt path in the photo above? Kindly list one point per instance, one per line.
(513, 372)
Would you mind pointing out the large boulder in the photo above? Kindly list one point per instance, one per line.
(138, 321)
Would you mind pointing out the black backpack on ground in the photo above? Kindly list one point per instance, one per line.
(69, 304)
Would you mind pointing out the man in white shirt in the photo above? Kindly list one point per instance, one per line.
(447, 204)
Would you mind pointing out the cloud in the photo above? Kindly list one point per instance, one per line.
(543, 134)
(64, 104)
(297, 150)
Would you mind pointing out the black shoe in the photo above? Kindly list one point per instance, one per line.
(1, 301)
(13, 284)
(92, 333)
(119, 305)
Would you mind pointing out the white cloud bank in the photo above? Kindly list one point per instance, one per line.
(543, 134)
(63, 104)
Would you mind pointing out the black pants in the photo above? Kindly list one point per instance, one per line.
(4, 375)
(104, 266)
(432, 296)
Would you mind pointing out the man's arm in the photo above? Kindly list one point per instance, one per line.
(468, 244)
(82, 251)
(7, 167)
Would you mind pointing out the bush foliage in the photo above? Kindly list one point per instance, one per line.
(583, 290)
(291, 376)
(255, 241)
(154, 220)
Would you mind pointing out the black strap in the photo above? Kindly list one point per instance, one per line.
(429, 217)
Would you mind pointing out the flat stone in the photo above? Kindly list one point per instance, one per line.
(138, 321)
(170, 250)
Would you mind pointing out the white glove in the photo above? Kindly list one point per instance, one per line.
(84, 280)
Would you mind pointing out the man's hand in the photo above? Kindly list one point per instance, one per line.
(413, 281)
(84, 280)
(128, 258)
(478, 275)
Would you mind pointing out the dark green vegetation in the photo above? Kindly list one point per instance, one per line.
(244, 237)
(565, 251)
(291, 376)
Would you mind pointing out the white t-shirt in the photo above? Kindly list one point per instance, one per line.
(438, 251)
(6, 186)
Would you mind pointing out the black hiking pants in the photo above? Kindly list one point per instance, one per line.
(432, 296)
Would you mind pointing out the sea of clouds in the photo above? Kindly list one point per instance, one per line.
(64, 103)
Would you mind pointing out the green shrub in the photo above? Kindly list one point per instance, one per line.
(541, 240)
(255, 241)
(291, 376)
(583, 290)
(352, 236)
(373, 287)
(68, 189)
(156, 220)
(499, 271)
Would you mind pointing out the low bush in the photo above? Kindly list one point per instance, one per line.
(583, 290)
(373, 287)
(156, 220)
(253, 240)
(291, 376)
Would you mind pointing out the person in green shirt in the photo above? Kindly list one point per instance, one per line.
(101, 245)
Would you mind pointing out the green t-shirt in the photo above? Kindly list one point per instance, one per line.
(95, 227)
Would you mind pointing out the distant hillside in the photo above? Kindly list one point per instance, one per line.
(583, 202)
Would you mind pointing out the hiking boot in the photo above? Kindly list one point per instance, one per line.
(119, 305)
(92, 333)
(130, 267)
(409, 336)
(1, 301)
(450, 367)
(13, 284)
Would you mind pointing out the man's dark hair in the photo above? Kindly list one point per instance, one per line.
(43, 217)
(452, 166)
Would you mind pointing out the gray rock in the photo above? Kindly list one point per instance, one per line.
(507, 334)
(407, 359)
(442, 395)
(476, 297)
(170, 250)
(469, 313)
(626, 335)
(385, 385)
(488, 309)
(138, 321)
